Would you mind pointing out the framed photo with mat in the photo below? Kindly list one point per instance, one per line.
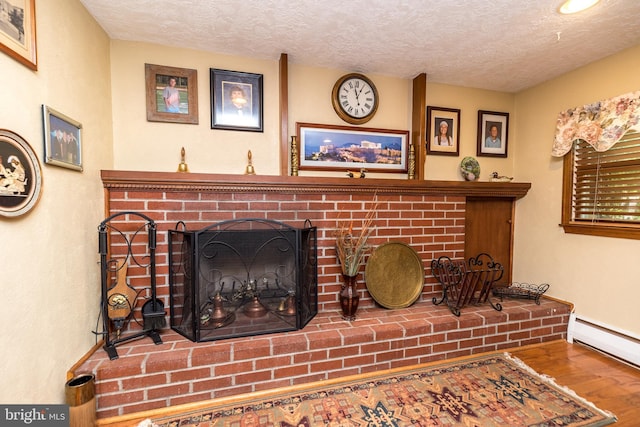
(493, 131)
(443, 131)
(236, 100)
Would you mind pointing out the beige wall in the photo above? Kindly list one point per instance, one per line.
(597, 274)
(154, 146)
(49, 270)
(469, 101)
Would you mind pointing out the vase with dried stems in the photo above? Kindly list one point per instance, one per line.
(351, 249)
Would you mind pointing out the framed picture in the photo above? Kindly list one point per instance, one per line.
(493, 128)
(172, 94)
(62, 139)
(326, 147)
(236, 100)
(20, 175)
(18, 31)
(443, 131)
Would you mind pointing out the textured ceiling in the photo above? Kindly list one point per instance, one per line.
(504, 45)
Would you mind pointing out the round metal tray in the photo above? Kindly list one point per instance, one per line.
(394, 275)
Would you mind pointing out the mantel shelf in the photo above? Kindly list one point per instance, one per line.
(185, 182)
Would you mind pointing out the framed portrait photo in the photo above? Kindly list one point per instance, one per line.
(18, 31)
(443, 131)
(236, 100)
(62, 139)
(493, 131)
(172, 94)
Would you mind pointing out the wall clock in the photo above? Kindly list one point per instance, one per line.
(355, 98)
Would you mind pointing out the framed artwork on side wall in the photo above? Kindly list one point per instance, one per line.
(493, 130)
(18, 31)
(20, 175)
(62, 139)
(443, 131)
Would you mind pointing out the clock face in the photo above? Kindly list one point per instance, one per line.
(355, 98)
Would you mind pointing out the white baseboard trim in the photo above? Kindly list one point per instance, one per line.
(621, 344)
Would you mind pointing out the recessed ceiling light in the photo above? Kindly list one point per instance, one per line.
(574, 6)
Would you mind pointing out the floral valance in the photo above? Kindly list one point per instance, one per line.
(600, 124)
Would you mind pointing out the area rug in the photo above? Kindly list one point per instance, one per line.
(492, 390)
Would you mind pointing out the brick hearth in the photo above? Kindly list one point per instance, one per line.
(179, 371)
(428, 216)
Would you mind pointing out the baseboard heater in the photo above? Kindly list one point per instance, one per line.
(621, 344)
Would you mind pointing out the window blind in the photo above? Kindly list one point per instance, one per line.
(607, 184)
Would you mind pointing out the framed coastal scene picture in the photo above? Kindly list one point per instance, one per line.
(329, 147)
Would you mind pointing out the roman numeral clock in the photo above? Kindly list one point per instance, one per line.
(355, 98)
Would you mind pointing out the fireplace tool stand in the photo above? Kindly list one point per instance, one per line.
(128, 240)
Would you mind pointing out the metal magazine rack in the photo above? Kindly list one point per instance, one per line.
(465, 283)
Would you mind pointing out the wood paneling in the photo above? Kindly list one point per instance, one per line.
(489, 229)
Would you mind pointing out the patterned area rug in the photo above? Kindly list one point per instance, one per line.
(492, 390)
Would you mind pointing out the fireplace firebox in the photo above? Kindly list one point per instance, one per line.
(242, 277)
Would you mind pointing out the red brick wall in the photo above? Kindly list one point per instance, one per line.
(431, 225)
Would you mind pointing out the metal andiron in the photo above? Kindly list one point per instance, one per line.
(242, 277)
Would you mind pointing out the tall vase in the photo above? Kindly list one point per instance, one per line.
(349, 297)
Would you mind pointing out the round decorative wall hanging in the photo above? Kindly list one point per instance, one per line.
(470, 169)
(20, 175)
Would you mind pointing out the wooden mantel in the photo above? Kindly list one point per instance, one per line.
(175, 181)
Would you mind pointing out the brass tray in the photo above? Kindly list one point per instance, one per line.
(394, 275)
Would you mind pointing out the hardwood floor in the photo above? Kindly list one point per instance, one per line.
(604, 381)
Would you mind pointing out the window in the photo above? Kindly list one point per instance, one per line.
(601, 190)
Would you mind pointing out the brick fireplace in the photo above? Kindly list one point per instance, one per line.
(429, 216)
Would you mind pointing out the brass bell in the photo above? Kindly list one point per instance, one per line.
(249, 170)
(182, 167)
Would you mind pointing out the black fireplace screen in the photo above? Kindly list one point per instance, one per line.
(242, 277)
